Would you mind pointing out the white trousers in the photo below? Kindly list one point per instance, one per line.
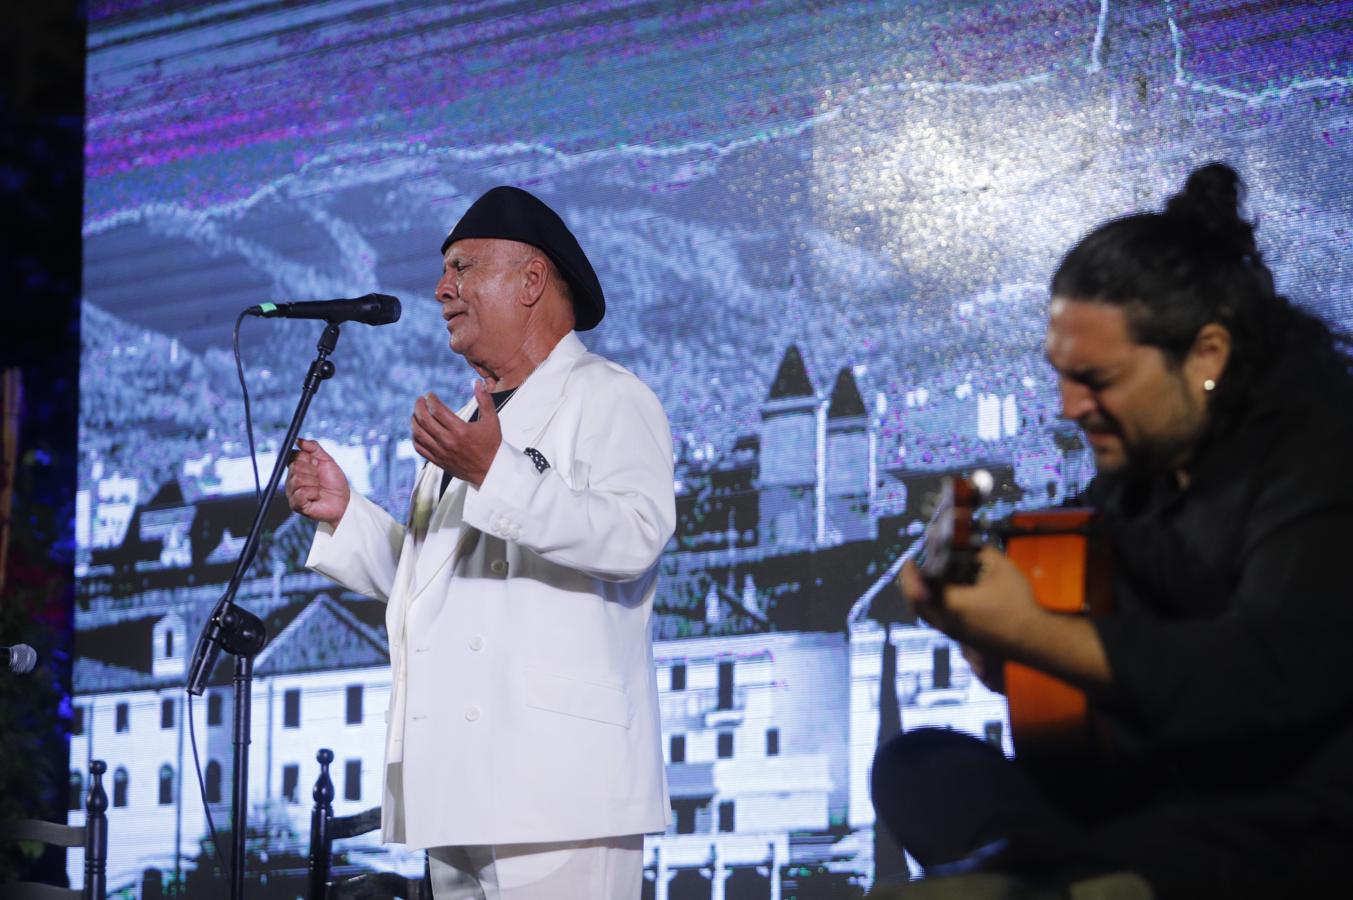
(601, 869)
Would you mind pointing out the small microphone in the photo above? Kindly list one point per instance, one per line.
(373, 309)
(20, 658)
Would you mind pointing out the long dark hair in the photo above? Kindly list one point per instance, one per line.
(1194, 263)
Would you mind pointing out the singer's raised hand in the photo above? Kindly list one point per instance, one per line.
(465, 449)
(316, 485)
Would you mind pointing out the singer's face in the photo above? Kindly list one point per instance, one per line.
(480, 293)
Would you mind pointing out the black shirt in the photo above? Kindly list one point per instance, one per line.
(1232, 646)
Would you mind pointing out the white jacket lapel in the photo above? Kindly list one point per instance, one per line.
(440, 531)
(523, 419)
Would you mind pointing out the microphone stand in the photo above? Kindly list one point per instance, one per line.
(241, 633)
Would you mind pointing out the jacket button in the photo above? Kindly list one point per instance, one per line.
(472, 714)
(476, 643)
(498, 567)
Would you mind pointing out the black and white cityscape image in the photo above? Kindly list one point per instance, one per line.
(825, 234)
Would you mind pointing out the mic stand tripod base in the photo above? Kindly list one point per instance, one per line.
(243, 635)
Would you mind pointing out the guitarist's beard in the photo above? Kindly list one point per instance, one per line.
(1147, 474)
(1152, 458)
(1147, 456)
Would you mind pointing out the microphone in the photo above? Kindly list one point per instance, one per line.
(20, 658)
(373, 309)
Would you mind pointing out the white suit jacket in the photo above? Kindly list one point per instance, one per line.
(524, 702)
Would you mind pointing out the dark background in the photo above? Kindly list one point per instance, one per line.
(41, 139)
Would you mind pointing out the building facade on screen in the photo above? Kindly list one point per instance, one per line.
(825, 233)
(767, 641)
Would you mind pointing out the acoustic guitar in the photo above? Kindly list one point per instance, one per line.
(1066, 559)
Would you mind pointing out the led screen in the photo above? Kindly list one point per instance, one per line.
(825, 232)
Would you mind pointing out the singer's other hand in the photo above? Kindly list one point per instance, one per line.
(316, 486)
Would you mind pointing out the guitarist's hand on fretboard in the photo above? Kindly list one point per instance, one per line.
(994, 615)
(989, 668)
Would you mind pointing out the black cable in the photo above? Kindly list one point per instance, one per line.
(202, 787)
(258, 496)
(248, 418)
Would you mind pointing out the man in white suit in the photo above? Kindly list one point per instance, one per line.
(524, 748)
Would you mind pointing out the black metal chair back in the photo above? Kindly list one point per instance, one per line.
(93, 836)
(325, 829)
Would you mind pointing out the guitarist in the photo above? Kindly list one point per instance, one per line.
(1221, 420)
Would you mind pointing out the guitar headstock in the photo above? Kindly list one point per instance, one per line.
(953, 537)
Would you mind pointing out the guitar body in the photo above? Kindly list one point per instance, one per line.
(1067, 563)
(1066, 560)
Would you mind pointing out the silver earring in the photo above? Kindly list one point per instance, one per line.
(1209, 385)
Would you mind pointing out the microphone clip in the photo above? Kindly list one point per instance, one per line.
(235, 630)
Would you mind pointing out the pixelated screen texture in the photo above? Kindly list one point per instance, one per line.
(825, 232)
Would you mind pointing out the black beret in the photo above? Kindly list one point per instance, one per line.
(509, 213)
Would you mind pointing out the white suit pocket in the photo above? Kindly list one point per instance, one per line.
(575, 697)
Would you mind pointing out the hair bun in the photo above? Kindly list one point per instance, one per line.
(1210, 202)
